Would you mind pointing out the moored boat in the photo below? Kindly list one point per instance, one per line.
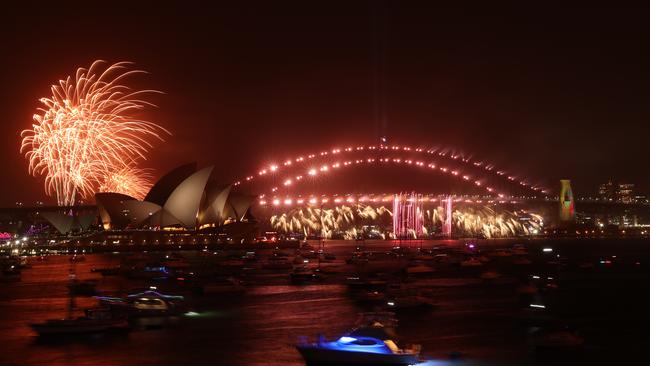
(304, 274)
(95, 321)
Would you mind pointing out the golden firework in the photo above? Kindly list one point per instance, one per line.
(88, 135)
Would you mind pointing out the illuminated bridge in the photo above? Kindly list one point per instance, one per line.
(452, 193)
(309, 194)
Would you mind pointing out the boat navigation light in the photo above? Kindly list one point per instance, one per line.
(346, 339)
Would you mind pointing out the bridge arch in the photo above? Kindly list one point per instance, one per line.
(294, 171)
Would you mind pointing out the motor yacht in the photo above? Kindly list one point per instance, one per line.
(372, 344)
(145, 303)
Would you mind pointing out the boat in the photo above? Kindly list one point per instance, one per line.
(144, 304)
(527, 289)
(150, 271)
(304, 274)
(519, 249)
(358, 258)
(501, 253)
(108, 271)
(490, 275)
(299, 259)
(521, 260)
(372, 344)
(11, 272)
(306, 246)
(94, 321)
(471, 262)
(357, 282)
(77, 258)
(277, 263)
(409, 302)
(326, 257)
(369, 296)
(419, 270)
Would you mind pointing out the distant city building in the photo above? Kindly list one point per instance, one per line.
(619, 192)
(607, 191)
(625, 192)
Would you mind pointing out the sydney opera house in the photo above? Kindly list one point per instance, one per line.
(186, 204)
(183, 199)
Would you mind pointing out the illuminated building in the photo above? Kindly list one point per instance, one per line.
(184, 199)
(625, 192)
(607, 191)
(619, 192)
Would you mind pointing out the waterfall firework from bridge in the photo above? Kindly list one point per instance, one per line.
(487, 213)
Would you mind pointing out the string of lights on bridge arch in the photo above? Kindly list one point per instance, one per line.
(309, 169)
(352, 199)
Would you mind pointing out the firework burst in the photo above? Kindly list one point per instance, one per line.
(131, 181)
(87, 134)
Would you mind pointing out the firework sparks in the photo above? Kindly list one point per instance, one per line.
(347, 221)
(131, 181)
(87, 136)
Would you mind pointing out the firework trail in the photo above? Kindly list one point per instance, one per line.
(87, 135)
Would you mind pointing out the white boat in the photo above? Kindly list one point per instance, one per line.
(349, 350)
(146, 303)
(368, 345)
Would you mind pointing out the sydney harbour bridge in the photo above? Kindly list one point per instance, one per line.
(407, 191)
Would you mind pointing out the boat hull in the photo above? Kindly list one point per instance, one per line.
(322, 356)
(44, 329)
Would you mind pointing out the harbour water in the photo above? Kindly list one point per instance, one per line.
(601, 290)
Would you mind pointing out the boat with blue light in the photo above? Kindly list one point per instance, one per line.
(367, 345)
(359, 350)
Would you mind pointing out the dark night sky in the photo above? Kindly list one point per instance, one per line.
(546, 93)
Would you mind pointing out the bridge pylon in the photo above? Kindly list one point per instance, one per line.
(567, 204)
